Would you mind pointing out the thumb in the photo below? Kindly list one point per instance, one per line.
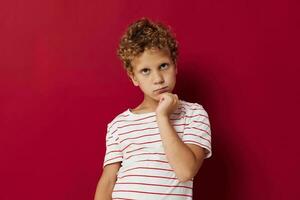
(161, 99)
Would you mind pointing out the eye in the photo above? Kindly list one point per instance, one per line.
(145, 71)
(164, 65)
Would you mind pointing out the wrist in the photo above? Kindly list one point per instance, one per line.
(161, 116)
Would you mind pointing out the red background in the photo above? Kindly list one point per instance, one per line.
(61, 83)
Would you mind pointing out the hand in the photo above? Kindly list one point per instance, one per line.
(167, 104)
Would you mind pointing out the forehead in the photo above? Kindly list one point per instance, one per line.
(151, 58)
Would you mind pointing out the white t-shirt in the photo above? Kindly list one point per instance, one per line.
(134, 140)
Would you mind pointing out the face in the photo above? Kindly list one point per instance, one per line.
(154, 70)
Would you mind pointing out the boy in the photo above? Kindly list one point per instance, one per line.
(154, 150)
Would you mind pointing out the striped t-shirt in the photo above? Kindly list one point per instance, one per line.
(134, 140)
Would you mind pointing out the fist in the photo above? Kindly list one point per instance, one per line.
(168, 103)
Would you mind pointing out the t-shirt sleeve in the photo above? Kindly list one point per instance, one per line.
(197, 129)
(113, 152)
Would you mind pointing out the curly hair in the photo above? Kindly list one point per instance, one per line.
(146, 34)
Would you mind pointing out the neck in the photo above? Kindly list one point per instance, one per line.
(149, 103)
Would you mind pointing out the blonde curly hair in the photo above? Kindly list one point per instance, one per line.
(146, 34)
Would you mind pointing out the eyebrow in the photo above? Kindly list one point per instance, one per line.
(147, 67)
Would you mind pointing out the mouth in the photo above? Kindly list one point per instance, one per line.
(161, 90)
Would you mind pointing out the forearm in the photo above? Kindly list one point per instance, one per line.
(180, 157)
(103, 190)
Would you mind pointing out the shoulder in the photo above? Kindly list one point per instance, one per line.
(191, 107)
(113, 124)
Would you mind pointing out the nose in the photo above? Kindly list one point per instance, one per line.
(158, 78)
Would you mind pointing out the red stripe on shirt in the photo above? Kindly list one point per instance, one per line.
(160, 185)
(145, 154)
(152, 134)
(155, 168)
(141, 143)
(196, 143)
(136, 130)
(198, 136)
(113, 158)
(155, 193)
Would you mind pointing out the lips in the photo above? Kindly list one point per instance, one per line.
(161, 90)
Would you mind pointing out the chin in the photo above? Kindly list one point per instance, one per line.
(156, 98)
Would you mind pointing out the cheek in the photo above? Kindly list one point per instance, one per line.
(144, 85)
(171, 77)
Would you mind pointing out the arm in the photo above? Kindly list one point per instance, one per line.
(185, 159)
(107, 181)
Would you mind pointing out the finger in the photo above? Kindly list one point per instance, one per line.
(175, 97)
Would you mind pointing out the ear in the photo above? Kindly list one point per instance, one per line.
(133, 78)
